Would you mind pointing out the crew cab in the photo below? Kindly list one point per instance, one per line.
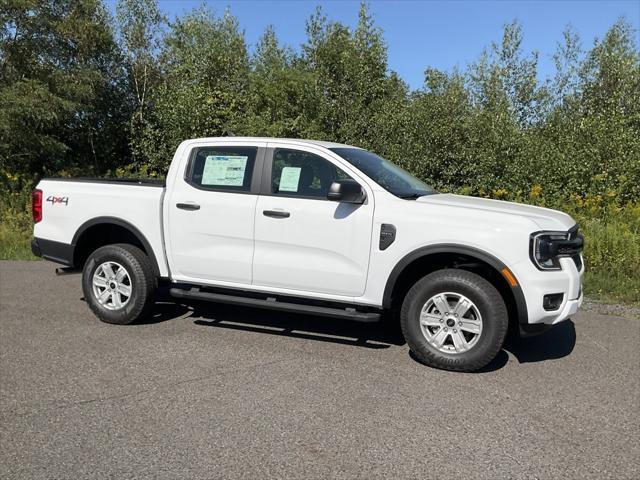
(320, 228)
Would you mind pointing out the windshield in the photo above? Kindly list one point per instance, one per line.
(384, 173)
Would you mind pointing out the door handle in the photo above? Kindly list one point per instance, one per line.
(188, 206)
(276, 213)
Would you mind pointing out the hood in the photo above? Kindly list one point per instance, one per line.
(545, 218)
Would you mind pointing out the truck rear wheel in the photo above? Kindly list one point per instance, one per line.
(454, 320)
(119, 284)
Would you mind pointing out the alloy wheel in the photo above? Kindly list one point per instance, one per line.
(111, 285)
(451, 322)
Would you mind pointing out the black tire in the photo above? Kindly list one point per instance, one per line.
(142, 279)
(487, 299)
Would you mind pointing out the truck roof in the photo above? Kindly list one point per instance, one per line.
(272, 139)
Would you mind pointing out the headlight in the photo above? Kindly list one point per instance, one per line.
(548, 247)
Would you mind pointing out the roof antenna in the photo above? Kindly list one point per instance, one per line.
(228, 133)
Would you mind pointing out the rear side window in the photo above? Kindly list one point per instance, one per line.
(222, 168)
(302, 174)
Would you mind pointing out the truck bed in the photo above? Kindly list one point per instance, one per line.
(72, 205)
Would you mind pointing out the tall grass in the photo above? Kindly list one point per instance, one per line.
(15, 225)
(612, 254)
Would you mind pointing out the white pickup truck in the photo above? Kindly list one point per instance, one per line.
(320, 228)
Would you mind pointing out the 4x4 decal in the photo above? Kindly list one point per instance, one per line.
(55, 200)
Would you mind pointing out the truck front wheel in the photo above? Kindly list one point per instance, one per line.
(454, 320)
(119, 284)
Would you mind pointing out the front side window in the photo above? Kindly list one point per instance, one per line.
(222, 168)
(389, 176)
(302, 174)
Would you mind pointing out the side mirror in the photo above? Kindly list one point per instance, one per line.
(347, 191)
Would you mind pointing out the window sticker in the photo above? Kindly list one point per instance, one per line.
(289, 179)
(224, 170)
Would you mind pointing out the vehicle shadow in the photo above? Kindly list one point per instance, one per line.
(556, 343)
(374, 335)
(165, 310)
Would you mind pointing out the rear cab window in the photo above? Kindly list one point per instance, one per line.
(222, 168)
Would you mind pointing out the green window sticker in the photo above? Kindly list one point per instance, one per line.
(224, 170)
(289, 179)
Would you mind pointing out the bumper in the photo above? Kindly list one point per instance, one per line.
(55, 251)
(536, 284)
(570, 307)
(35, 247)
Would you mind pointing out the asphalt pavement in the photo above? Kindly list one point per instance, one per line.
(212, 391)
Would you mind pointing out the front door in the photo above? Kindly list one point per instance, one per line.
(211, 213)
(304, 242)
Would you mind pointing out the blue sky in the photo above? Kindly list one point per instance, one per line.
(442, 34)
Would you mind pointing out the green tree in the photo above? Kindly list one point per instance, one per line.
(60, 88)
(351, 78)
(567, 59)
(140, 25)
(280, 102)
(589, 144)
(205, 68)
(439, 131)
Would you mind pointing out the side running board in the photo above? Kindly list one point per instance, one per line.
(67, 271)
(275, 304)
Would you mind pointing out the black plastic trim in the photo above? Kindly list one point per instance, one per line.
(518, 295)
(264, 291)
(276, 213)
(121, 223)
(35, 247)
(533, 329)
(61, 272)
(265, 181)
(274, 304)
(188, 206)
(552, 302)
(55, 251)
(387, 235)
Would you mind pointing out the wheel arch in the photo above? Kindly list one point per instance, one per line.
(426, 259)
(87, 238)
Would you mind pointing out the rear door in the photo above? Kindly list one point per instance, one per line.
(304, 242)
(211, 210)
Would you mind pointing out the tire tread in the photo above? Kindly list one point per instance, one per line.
(460, 363)
(143, 275)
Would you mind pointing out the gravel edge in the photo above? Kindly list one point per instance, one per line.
(614, 309)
